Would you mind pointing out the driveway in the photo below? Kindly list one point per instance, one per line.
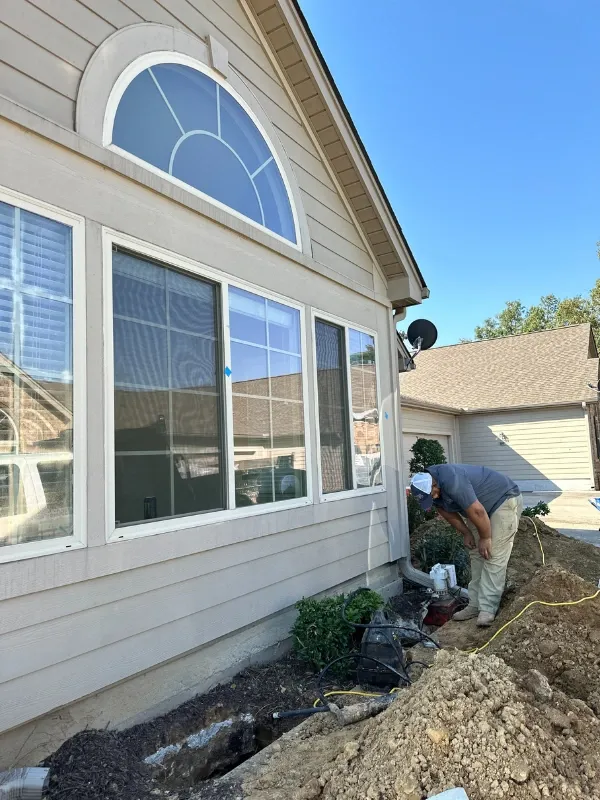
(571, 513)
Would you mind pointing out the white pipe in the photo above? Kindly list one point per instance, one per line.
(27, 783)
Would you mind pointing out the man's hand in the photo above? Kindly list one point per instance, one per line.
(485, 548)
(469, 540)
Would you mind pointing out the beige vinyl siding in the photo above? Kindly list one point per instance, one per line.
(44, 50)
(417, 420)
(83, 637)
(76, 622)
(545, 445)
(420, 423)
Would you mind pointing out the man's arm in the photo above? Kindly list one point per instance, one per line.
(458, 524)
(477, 514)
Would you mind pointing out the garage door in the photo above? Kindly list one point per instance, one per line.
(410, 438)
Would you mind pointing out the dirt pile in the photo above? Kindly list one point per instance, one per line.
(563, 643)
(469, 722)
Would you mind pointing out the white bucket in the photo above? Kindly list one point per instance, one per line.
(451, 794)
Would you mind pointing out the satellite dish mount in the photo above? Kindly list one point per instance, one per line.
(421, 335)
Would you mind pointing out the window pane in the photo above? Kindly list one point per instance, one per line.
(247, 316)
(270, 455)
(141, 420)
(12, 498)
(138, 289)
(275, 201)
(284, 327)
(142, 488)
(144, 126)
(179, 120)
(365, 410)
(140, 355)
(191, 94)
(249, 371)
(241, 134)
(336, 470)
(168, 404)
(286, 376)
(36, 377)
(288, 450)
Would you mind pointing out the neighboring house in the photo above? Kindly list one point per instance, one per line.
(198, 267)
(519, 404)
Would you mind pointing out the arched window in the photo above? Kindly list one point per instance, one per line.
(182, 121)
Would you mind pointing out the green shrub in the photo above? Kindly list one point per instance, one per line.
(444, 546)
(416, 515)
(426, 453)
(538, 510)
(321, 635)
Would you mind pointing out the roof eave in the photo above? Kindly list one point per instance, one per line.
(326, 112)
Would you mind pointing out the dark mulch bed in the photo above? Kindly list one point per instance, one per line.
(108, 765)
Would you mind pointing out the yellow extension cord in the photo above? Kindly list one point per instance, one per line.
(534, 602)
(498, 632)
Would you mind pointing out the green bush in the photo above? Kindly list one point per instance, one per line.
(426, 453)
(321, 635)
(416, 515)
(444, 546)
(538, 510)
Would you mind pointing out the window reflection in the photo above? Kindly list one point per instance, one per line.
(268, 414)
(36, 378)
(365, 414)
(168, 398)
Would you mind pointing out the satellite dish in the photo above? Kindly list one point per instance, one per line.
(422, 334)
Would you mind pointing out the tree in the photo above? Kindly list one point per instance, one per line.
(426, 453)
(550, 312)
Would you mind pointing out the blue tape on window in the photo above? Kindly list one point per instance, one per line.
(227, 371)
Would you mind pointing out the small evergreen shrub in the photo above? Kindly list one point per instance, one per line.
(426, 453)
(321, 635)
(444, 545)
(538, 510)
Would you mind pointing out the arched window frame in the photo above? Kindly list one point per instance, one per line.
(151, 59)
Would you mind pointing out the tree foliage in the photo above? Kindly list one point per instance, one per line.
(550, 312)
(426, 453)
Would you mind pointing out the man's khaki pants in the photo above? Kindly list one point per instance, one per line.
(488, 576)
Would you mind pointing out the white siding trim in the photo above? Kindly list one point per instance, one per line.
(79, 537)
(135, 531)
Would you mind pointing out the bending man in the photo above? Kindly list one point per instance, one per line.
(492, 505)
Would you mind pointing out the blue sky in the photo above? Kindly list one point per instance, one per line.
(483, 122)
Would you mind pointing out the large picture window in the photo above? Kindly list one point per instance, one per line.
(36, 380)
(185, 369)
(182, 121)
(348, 411)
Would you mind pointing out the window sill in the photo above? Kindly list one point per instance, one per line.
(330, 498)
(21, 552)
(143, 530)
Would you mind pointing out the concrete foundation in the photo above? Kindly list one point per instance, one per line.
(150, 694)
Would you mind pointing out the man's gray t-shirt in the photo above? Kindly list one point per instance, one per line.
(462, 484)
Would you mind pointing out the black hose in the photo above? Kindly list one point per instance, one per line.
(372, 625)
(405, 678)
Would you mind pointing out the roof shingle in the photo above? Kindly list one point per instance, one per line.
(546, 368)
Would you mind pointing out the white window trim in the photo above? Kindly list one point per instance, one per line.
(152, 59)
(78, 540)
(111, 238)
(346, 325)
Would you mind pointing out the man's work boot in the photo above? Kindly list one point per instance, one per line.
(485, 619)
(470, 612)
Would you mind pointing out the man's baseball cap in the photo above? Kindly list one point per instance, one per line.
(420, 487)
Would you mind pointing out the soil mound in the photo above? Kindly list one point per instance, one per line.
(469, 722)
(563, 643)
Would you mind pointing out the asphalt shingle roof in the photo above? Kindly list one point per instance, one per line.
(546, 368)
